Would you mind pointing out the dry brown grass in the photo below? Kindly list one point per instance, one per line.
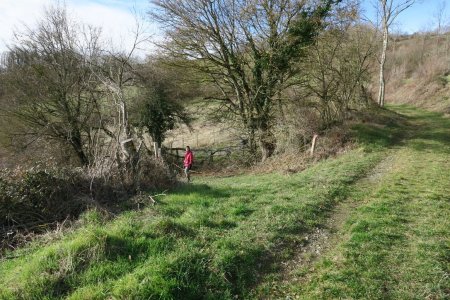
(418, 72)
(204, 132)
(330, 143)
(201, 135)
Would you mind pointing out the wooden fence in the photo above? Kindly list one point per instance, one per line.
(202, 155)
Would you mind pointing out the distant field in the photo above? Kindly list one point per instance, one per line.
(204, 133)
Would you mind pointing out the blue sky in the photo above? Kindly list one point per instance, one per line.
(417, 18)
(116, 18)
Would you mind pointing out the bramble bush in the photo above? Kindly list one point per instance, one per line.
(35, 200)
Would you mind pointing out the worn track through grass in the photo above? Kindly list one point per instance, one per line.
(318, 243)
(390, 238)
(324, 239)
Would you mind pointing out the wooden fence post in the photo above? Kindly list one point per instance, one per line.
(155, 148)
(313, 145)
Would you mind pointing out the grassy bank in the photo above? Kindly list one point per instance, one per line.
(206, 240)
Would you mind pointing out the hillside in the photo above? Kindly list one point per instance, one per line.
(371, 223)
(418, 71)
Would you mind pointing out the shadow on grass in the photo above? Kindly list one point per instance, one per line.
(430, 131)
(376, 136)
(244, 265)
(423, 130)
(202, 190)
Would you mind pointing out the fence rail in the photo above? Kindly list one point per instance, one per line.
(202, 155)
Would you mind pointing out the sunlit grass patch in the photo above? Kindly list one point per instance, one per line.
(397, 244)
(208, 239)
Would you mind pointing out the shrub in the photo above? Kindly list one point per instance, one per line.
(35, 200)
(31, 201)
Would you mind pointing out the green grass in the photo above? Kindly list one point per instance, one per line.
(396, 245)
(445, 79)
(219, 238)
(210, 239)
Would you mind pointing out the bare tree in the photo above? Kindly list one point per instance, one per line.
(388, 11)
(247, 49)
(440, 23)
(67, 85)
(440, 17)
(338, 70)
(115, 71)
(50, 85)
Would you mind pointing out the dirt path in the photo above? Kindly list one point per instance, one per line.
(319, 242)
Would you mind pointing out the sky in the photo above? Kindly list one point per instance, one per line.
(116, 17)
(419, 17)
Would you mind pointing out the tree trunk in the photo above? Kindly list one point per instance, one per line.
(82, 157)
(77, 145)
(267, 143)
(251, 142)
(267, 150)
(381, 91)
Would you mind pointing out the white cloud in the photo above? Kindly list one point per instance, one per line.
(14, 14)
(115, 18)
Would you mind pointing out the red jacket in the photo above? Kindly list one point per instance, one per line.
(188, 159)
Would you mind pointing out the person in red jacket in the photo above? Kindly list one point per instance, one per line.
(187, 163)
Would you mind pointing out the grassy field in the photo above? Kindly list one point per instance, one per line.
(228, 238)
(395, 243)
